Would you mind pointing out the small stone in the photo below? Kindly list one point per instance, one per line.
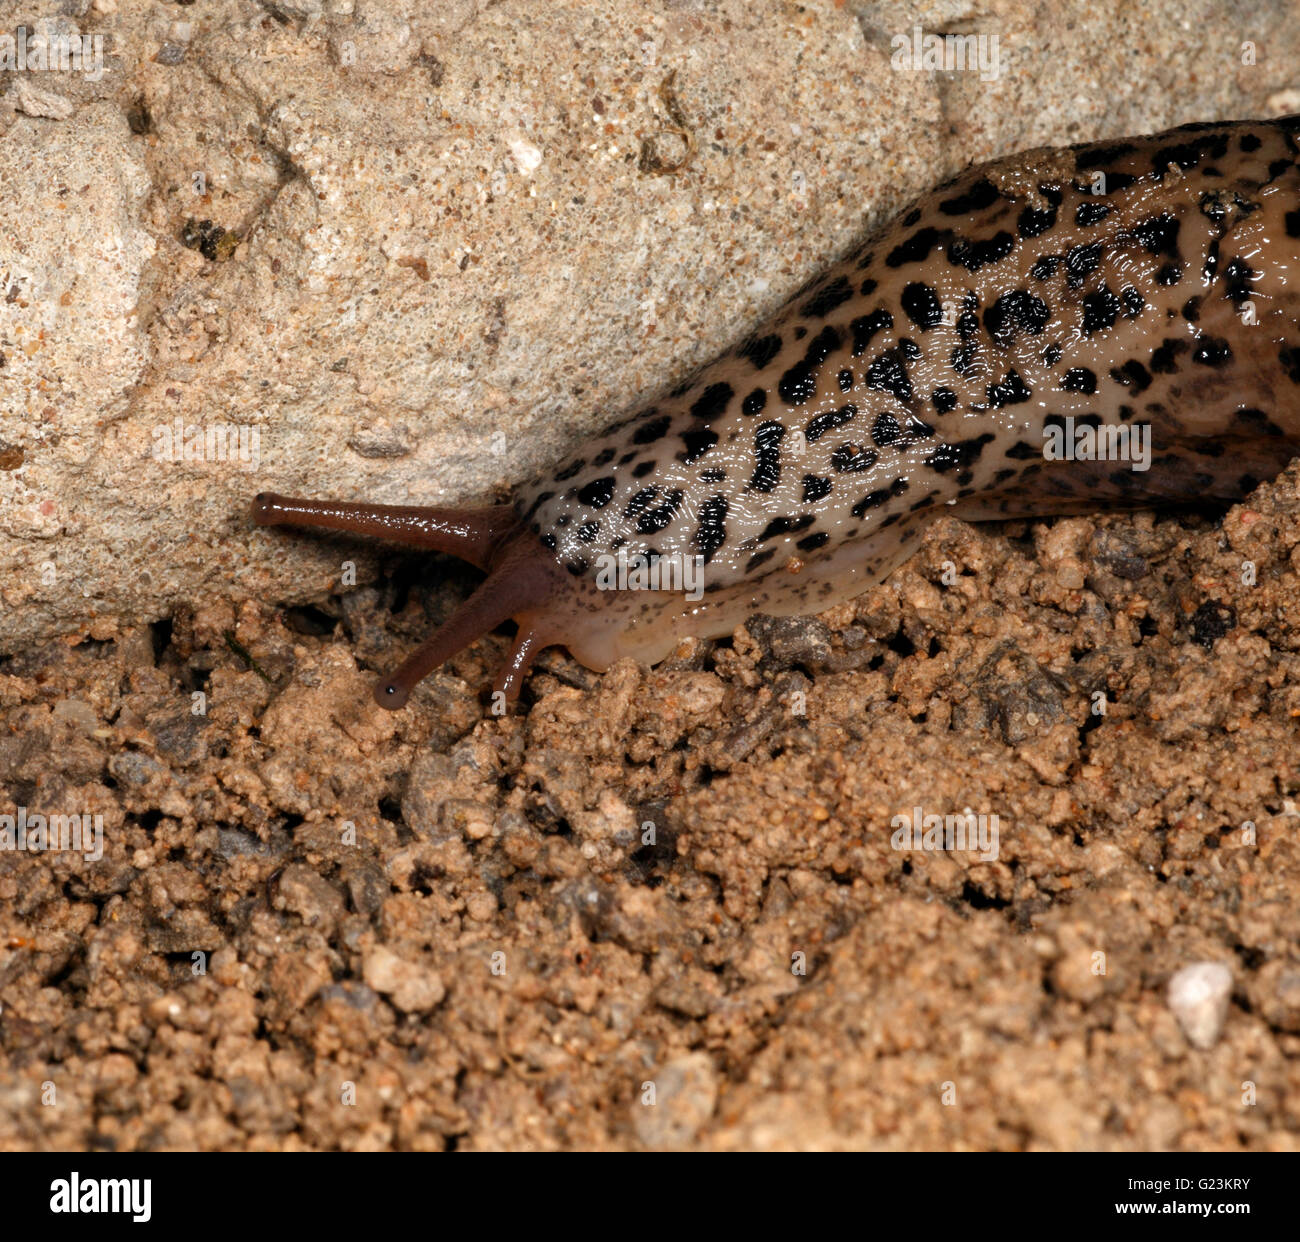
(412, 988)
(685, 1093)
(1199, 996)
(36, 101)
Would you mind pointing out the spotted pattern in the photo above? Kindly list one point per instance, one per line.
(927, 367)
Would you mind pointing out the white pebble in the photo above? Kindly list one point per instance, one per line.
(1198, 997)
(527, 157)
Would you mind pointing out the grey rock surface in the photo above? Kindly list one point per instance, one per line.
(413, 253)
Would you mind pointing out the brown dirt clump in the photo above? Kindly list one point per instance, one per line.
(658, 908)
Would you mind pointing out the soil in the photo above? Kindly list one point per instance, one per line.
(661, 907)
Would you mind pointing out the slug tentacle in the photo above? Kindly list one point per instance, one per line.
(520, 584)
(1108, 325)
(470, 534)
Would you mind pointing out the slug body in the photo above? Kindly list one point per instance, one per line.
(1149, 284)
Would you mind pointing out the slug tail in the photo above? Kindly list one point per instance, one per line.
(470, 534)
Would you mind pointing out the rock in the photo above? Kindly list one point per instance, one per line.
(412, 988)
(685, 1093)
(442, 268)
(35, 101)
(310, 896)
(1199, 996)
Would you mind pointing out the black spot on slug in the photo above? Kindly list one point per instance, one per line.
(598, 493)
(798, 384)
(649, 432)
(761, 350)
(1091, 212)
(958, 455)
(786, 526)
(921, 305)
(873, 500)
(975, 255)
(754, 403)
(697, 444)
(826, 300)
(852, 458)
(1079, 379)
(865, 327)
(1034, 221)
(1099, 311)
(1132, 375)
(916, 249)
(1081, 262)
(1164, 358)
(653, 520)
(711, 533)
(1211, 351)
(888, 374)
(983, 193)
(712, 402)
(815, 487)
(1010, 390)
(823, 423)
(767, 450)
(1014, 312)
(1159, 234)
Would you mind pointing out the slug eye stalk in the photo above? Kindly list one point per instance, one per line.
(519, 582)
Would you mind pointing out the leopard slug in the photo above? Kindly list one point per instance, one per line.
(1148, 284)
